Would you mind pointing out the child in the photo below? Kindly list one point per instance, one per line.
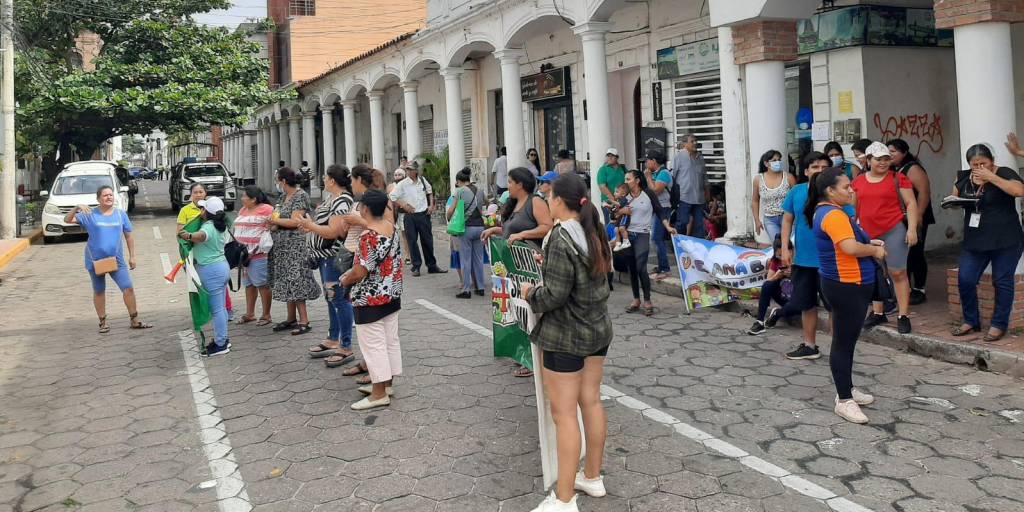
(714, 214)
(621, 239)
(772, 287)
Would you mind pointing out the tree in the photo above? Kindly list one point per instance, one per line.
(156, 68)
(132, 145)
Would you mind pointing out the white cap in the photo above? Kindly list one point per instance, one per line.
(612, 151)
(877, 150)
(212, 205)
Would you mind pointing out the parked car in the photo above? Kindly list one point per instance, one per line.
(77, 184)
(213, 175)
(150, 174)
(137, 172)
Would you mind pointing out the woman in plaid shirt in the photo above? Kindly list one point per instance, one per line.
(574, 333)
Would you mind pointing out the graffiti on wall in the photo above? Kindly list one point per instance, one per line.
(925, 129)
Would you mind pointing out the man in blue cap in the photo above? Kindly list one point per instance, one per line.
(544, 188)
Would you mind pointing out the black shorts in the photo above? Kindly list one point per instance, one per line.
(805, 288)
(564, 362)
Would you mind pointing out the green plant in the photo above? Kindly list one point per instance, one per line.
(435, 169)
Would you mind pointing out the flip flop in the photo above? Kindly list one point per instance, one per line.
(104, 326)
(362, 381)
(632, 309)
(523, 372)
(337, 360)
(352, 371)
(264, 321)
(245, 319)
(321, 350)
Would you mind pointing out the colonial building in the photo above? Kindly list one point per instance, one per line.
(743, 75)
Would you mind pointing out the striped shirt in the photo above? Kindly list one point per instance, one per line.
(251, 226)
(831, 226)
(318, 245)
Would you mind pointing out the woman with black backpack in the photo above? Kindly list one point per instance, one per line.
(471, 247)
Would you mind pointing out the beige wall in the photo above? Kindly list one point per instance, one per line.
(343, 29)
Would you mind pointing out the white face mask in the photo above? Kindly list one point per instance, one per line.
(837, 161)
(775, 165)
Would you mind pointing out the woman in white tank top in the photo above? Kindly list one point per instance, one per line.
(770, 187)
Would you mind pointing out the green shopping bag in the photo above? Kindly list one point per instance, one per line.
(457, 224)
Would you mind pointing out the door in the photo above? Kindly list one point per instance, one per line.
(557, 122)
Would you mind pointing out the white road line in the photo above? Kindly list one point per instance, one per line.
(795, 482)
(231, 493)
(165, 260)
(156, 233)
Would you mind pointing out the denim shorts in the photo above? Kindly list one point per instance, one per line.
(256, 273)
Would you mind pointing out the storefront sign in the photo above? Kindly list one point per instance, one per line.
(688, 59)
(653, 139)
(659, 109)
(858, 25)
(544, 85)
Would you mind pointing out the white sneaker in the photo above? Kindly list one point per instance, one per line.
(625, 244)
(551, 504)
(366, 403)
(858, 396)
(850, 411)
(368, 390)
(593, 487)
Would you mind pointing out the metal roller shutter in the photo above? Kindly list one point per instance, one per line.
(697, 103)
(467, 129)
(427, 135)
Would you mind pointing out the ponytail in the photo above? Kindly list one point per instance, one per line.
(220, 220)
(572, 191)
(817, 190)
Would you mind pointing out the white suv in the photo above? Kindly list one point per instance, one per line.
(77, 184)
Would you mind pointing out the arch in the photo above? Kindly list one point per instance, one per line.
(293, 110)
(384, 78)
(310, 103)
(543, 20)
(354, 88)
(421, 65)
(331, 97)
(472, 43)
(602, 10)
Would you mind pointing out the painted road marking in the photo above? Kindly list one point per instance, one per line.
(231, 493)
(156, 233)
(783, 476)
(165, 261)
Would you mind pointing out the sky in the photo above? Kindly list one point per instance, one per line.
(239, 12)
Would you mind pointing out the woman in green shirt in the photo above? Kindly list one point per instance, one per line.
(213, 269)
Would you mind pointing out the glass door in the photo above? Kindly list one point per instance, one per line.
(557, 127)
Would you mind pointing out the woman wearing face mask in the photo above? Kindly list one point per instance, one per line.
(834, 152)
(905, 163)
(770, 189)
(992, 235)
(291, 278)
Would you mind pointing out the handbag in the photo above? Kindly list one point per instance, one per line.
(457, 224)
(343, 259)
(236, 253)
(884, 288)
(104, 266)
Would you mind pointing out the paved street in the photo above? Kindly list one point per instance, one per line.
(702, 417)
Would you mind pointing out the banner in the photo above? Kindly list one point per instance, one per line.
(714, 274)
(511, 315)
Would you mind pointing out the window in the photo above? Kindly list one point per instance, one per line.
(302, 7)
(698, 110)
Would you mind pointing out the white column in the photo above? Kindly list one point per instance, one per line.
(248, 139)
(295, 142)
(377, 129)
(275, 152)
(309, 149)
(327, 120)
(282, 129)
(737, 169)
(766, 114)
(984, 88)
(413, 138)
(349, 120)
(453, 107)
(599, 117)
(261, 156)
(512, 106)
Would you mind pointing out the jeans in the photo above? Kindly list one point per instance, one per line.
(638, 277)
(849, 306)
(917, 265)
(471, 258)
(660, 245)
(972, 266)
(770, 290)
(339, 309)
(687, 211)
(417, 226)
(773, 227)
(215, 278)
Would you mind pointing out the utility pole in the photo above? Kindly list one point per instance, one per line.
(8, 204)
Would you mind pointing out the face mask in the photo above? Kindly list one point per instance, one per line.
(775, 165)
(837, 161)
(278, 187)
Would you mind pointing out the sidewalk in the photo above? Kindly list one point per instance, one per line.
(932, 322)
(10, 249)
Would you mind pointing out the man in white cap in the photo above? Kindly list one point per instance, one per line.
(609, 177)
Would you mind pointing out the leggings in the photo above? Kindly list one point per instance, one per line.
(638, 277)
(849, 306)
(917, 265)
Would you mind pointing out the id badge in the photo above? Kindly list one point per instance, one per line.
(975, 220)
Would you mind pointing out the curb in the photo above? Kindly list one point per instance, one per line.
(10, 249)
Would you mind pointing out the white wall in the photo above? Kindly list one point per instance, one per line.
(1017, 38)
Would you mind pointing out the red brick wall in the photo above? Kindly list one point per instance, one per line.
(986, 298)
(957, 13)
(764, 40)
(217, 139)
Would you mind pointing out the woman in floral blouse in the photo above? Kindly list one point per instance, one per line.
(376, 282)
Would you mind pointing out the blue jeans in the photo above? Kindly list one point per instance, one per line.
(658, 235)
(215, 278)
(972, 266)
(687, 211)
(773, 227)
(339, 309)
(471, 258)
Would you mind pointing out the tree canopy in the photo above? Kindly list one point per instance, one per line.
(155, 68)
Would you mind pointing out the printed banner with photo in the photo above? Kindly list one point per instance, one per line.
(713, 274)
(512, 265)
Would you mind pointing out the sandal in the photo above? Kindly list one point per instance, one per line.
(362, 381)
(264, 321)
(321, 350)
(104, 327)
(302, 329)
(335, 360)
(632, 308)
(989, 337)
(648, 310)
(522, 371)
(352, 371)
(961, 331)
(284, 326)
(245, 319)
(137, 324)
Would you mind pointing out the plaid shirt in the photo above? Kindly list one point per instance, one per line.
(574, 302)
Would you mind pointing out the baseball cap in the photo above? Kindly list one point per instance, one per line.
(212, 205)
(877, 150)
(548, 177)
(612, 151)
(412, 166)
